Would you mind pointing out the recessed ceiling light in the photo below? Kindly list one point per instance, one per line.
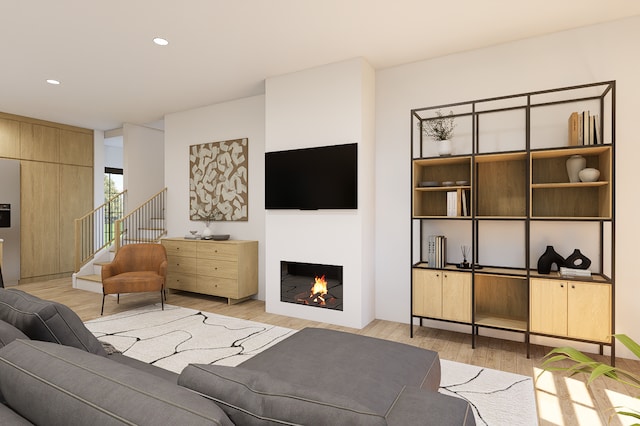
(161, 41)
(52, 81)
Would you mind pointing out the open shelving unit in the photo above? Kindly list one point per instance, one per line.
(509, 161)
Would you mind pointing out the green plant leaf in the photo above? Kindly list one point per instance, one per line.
(629, 343)
(572, 354)
(600, 370)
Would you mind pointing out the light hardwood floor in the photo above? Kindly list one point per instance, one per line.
(561, 400)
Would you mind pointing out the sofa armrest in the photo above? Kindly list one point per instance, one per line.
(419, 406)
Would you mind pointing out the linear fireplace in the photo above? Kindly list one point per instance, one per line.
(311, 284)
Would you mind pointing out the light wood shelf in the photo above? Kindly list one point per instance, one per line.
(501, 322)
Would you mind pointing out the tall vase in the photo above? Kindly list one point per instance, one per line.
(575, 163)
(444, 147)
(548, 258)
(206, 232)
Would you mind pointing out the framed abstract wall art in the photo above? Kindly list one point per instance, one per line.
(218, 181)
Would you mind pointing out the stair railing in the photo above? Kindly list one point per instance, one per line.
(96, 230)
(145, 224)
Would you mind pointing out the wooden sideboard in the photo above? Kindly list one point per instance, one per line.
(218, 268)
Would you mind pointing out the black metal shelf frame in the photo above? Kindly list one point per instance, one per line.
(527, 102)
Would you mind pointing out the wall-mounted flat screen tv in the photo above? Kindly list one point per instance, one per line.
(312, 178)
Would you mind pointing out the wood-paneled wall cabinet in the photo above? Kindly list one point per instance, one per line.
(577, 309)
(501, 197)
(56, 187)
(219, 268)
(442, 294)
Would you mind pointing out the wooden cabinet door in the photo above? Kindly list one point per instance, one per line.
(548, 303)
(39, 143)
(427, 293)
(456, 296)
(589, 311)
(9, 138)
(39, 219)
(76, 148)
(76, 200)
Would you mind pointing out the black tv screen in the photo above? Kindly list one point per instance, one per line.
(312, 178)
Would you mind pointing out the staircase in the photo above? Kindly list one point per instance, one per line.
(91, 278)
(145, 224)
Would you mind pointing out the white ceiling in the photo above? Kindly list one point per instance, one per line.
(219, 50)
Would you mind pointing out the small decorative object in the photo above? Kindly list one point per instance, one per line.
(589, 174)
(220, 237)
(440, 129)
(213, 215)
(465, 254)
(575, 163)
(577, 260)
(548, 258)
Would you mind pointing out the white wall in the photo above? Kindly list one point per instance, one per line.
(143, 160)
(327, 105)
(242, 118)
(585, 55)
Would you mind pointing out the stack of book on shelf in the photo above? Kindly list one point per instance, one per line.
(584, 129)
(457, 203)
(436, 250)
(572, 272)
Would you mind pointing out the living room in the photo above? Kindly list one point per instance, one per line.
(351, 101)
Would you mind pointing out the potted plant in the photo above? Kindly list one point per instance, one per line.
(440, 129)
(584, 364)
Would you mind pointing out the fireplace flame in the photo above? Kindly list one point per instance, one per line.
(319, 290)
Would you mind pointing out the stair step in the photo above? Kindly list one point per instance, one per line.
(92, 283)
(92, 277)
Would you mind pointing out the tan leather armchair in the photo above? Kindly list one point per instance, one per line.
(135, 268)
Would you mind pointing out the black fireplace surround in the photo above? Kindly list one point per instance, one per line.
(297, 280)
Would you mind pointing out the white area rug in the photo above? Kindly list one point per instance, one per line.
(497, 397)
(175, 337)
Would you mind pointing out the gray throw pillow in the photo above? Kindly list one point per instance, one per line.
(9, 333)
(255, 398)
(58, 385)
(46, 320)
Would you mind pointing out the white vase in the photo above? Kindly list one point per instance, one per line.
(444, 147)
(575, 163)
(206, 232)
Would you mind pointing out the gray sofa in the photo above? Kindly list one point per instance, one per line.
(53, 371)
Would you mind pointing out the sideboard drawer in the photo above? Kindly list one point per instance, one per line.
(179, 248)
(223, 287)
(181, 281)
(217, 250)
(217, 268)
(182, 265)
